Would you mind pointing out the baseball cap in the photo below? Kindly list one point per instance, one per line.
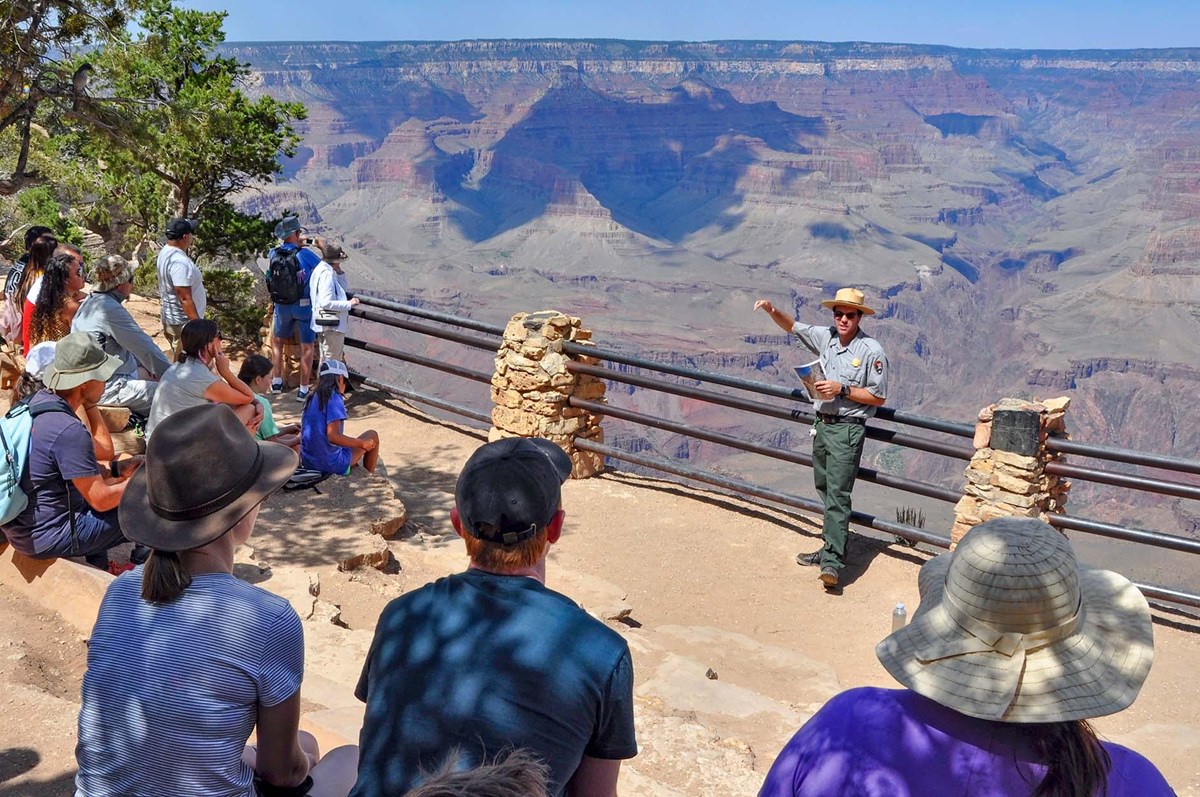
(286, 226)
(39, 359)
(177, 228)
(336, 367)
(510, 489)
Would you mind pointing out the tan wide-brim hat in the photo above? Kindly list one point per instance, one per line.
(848, 297)
(1010, 628)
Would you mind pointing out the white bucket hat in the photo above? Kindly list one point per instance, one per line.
(1010, 628)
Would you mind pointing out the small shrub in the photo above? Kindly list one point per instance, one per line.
(232, 305)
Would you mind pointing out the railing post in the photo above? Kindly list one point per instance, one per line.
(531, 386)
(1007, 474)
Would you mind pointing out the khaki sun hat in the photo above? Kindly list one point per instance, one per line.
(77, 359)
(203, 473)
(848, 297)
(1010, 628)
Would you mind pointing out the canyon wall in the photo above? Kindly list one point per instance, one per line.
(1027, 222)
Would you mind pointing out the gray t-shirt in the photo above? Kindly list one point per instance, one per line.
(176, 270)
(182, 386)
(860, 363)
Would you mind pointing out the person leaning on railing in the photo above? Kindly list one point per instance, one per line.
(1012, 649)
(330, 305)
(855, 383)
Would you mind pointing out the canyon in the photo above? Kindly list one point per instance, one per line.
(1027, 223)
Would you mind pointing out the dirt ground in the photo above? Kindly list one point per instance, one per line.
(734, 644)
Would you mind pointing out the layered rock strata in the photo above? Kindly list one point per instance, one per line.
(531, 387)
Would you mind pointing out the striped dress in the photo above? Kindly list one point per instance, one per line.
(171, 691)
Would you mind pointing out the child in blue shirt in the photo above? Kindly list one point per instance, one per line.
(323, 446)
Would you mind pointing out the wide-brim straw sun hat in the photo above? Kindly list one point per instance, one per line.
(848, 297)
(203, 473)
(1010, 628)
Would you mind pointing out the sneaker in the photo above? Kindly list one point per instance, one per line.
(302, 394)
(276, 385)
(829, 576)
(809, 559)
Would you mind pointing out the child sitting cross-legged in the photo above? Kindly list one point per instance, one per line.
(323, 445)
(256, 371)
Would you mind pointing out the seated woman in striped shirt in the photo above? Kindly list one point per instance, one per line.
(186, 661)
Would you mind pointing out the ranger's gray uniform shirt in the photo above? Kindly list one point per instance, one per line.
(862, 363)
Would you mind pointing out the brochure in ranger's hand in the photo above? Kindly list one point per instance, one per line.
(810, 374)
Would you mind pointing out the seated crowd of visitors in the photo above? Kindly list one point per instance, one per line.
(487, 682)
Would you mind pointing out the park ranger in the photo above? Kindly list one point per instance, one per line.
(855, 384)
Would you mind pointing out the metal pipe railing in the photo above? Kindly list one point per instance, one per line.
(1126, 455)
(957, 451)
(911, 533)
(432, 315)
(737, 485)
(433, 401)
(1057, 445)
(867, 474)
(798, 394)
(1155, 539)
(1123, 480)
(425, 329)
(416, 359)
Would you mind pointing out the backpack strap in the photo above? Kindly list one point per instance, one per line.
(34, 412)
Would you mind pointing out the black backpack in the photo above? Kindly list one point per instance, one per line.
(285, 277)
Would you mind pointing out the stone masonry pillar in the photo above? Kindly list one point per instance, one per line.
(531, 386)
(1007, 474)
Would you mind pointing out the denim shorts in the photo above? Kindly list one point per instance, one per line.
(289, 317)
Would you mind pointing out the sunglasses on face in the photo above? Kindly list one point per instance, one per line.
(845, 314)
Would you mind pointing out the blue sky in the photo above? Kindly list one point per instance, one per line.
(1044, 24)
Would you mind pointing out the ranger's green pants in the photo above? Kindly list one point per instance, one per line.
(837, 449)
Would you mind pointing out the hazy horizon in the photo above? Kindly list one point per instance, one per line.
(1014, 24)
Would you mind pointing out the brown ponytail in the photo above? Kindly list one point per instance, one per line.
(1076, 764)
(164, 578)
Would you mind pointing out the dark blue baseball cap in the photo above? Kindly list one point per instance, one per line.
(509, 489)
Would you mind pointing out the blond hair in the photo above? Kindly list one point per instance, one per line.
(516, 774)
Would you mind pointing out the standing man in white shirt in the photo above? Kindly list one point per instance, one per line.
(331, 307)
(180, 283)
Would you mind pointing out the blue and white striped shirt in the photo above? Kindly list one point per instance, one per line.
(171, 692)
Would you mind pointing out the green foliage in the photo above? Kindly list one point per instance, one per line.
(226, 231)
(145, 278)
(37, 91)
(232, 305)
(39, 206)
(179, 136)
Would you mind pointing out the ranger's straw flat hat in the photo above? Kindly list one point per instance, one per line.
(1010, 628)
(848, 297)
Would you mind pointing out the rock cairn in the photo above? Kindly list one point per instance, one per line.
(531, 386)
(1005, 483)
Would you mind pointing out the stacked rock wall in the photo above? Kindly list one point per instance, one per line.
(1006, 483)
(531, 387)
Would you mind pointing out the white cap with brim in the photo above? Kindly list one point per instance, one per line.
(77, 359)
(39, 359)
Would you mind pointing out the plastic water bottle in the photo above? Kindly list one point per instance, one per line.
(899, 617)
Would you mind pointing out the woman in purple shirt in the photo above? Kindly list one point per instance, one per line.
(1012, 650)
